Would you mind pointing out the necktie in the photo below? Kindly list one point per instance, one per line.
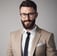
(26, 44)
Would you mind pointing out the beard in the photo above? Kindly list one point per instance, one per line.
(29, 25)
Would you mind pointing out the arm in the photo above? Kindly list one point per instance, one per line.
(9, 51)
(51, 49)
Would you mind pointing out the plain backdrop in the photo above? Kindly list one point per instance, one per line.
(10, 19)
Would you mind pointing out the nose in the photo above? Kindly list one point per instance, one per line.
(27, 17)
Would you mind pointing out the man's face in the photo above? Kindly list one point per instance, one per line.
(28, 17)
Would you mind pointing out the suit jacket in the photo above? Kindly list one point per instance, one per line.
(42, 45)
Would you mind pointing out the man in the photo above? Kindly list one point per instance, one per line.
(31, 40)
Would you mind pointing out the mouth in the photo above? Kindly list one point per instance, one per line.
(27, 22)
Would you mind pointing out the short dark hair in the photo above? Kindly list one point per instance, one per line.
(28, 3)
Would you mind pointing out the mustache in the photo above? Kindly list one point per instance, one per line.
(27, 20)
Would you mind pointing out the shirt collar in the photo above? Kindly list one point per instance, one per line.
(31, 31)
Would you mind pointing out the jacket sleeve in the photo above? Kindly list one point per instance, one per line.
(9, 51)
(51, 48)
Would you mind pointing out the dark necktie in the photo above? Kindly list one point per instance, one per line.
(26, 44)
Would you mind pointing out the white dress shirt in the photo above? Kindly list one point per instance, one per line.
(32, 35)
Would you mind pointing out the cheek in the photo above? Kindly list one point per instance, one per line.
(34, 17)
(22, 19)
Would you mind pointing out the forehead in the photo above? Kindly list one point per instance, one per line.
(27, 9)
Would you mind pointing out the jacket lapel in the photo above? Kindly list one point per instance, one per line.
(35, 41)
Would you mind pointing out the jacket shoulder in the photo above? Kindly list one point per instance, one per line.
(15, 34)
(45, 34)
(17, 31)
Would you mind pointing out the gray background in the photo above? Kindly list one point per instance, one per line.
(10, 19)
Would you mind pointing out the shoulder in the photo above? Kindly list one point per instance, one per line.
(45, 34)
(16, 32)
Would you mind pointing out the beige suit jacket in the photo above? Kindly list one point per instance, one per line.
(43, 44)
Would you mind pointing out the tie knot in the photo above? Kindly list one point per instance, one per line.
(28, 33)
